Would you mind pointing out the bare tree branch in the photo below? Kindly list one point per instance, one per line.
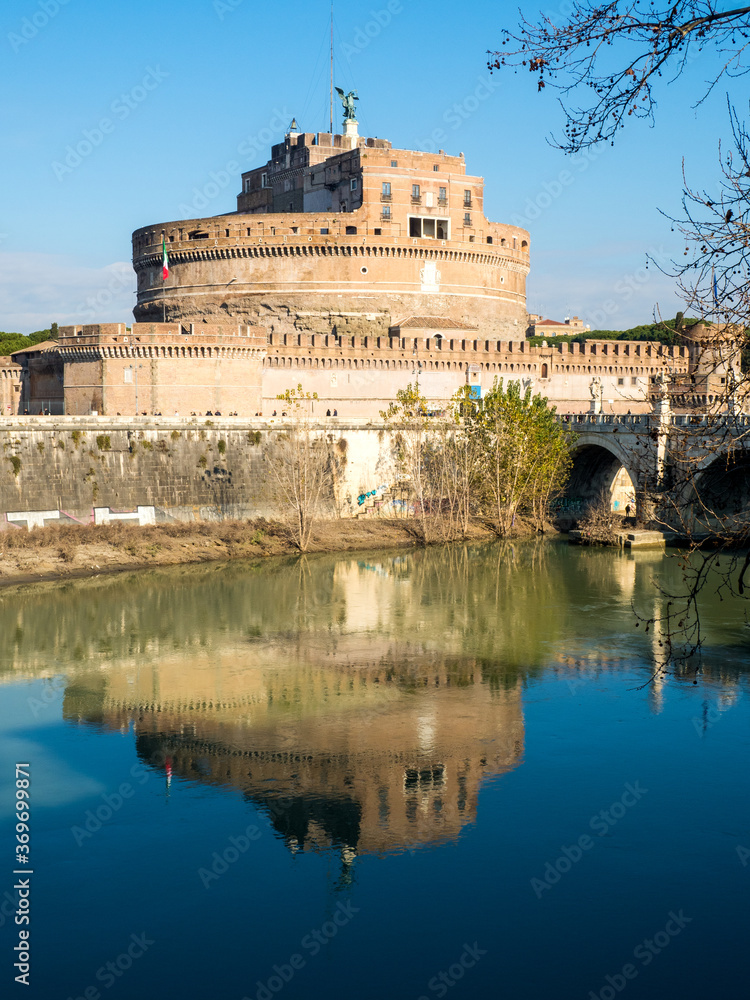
(616, 53)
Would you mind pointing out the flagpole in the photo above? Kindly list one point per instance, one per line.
(331, 69)
(164, 276)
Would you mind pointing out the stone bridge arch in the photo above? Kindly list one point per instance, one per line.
(722, 485)
(601, 465)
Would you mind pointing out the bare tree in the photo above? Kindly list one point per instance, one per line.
(410, 428)
(616, 54)
(605, 62)
(303, 468)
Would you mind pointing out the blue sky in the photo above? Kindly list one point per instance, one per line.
(162, 97)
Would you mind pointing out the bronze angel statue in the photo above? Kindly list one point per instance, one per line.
(348, 101)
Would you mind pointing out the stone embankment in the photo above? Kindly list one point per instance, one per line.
(186, 468)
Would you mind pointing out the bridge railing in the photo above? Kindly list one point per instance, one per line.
(644, 420)
(599, 419)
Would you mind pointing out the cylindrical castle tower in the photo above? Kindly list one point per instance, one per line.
(341, 234)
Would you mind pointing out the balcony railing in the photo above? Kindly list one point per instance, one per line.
(442, 202)
(385, 197)
(385, 216)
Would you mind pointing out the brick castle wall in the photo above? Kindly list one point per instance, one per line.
(162, 368)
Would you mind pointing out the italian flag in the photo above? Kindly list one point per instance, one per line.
(164, 260)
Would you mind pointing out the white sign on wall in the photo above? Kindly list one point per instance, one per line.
(430, 277)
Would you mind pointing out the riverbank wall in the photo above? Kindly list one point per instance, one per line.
(97, 469)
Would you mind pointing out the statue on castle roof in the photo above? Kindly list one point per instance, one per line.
(348, 101)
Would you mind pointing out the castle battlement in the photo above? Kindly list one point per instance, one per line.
(117, 338)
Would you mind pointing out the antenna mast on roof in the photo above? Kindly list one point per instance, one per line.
(331, 68)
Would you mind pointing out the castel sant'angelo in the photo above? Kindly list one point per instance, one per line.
(349, 267)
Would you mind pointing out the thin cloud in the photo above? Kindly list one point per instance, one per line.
(37, 289)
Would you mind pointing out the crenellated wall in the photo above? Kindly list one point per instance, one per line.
(162, 368)
(359, 376)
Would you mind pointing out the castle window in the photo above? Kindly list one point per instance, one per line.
(377, 232)
(428, 228)
(385, 191)
(264, 180)
(442, 196)
(544, 372)
(324, 232)
(467, 199)
(415, 192)
(489, 239)
(394, 163)
(353, 184)
(386, 213)
(436, 167)
(467, 219)
(351, 230)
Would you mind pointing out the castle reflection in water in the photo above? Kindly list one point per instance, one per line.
(367, 757)
(359, 702)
